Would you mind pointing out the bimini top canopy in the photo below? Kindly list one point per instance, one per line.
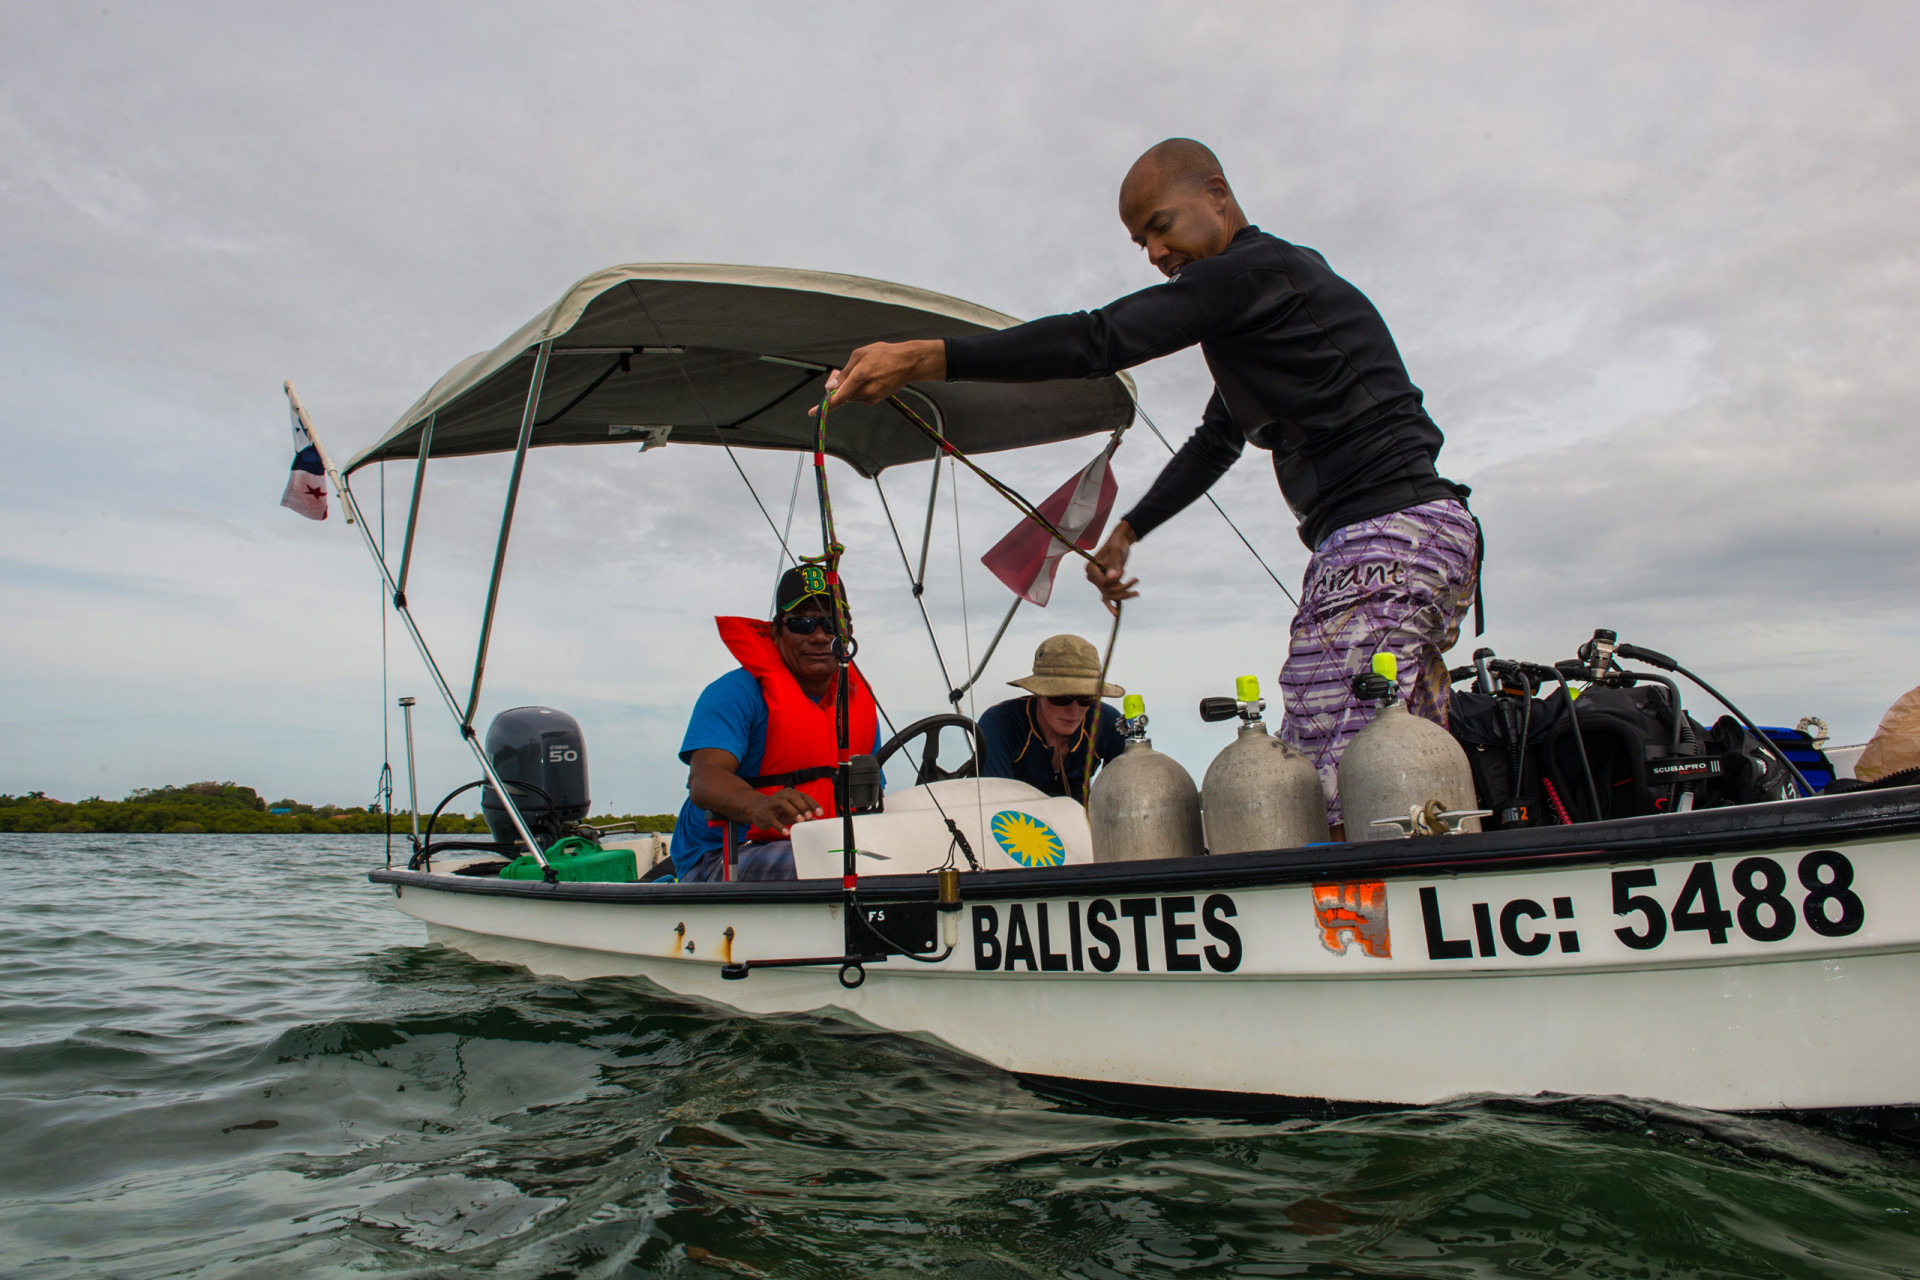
(737, 354)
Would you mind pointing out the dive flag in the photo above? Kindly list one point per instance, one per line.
(1028, 558)
(307, 486)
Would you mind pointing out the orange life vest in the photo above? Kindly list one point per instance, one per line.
(802, 735)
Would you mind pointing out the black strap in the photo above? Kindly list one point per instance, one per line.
(793, 778)
(1460, 493)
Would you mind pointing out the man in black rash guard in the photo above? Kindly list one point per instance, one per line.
(1303, 366)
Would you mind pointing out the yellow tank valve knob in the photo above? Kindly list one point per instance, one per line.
(1247, 688)
(1133, 706)
(1387, 666)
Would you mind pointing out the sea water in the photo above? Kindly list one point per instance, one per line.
(230, 1056)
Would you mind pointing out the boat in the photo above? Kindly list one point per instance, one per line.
(1761, 957)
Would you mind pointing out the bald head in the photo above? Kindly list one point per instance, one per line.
(1177, 205)
(1177, 160)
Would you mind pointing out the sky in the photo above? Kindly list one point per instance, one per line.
(1653, 266)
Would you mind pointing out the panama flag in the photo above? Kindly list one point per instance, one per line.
(1028, 558)
(307, 486)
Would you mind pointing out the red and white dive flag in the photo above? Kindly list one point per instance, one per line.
(307, 486)
(1028, 558)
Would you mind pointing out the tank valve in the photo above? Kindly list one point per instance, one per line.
(1133, 718)
(1597, 653)
(1245, 703)
(1381, 685)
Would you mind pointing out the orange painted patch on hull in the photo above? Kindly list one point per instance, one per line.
(1353, 911)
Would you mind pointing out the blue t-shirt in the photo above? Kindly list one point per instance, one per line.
(731, 715)
(1013, 748)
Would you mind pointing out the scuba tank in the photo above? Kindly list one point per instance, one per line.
(1260, 792)
(1402, 775)
(1143, 804)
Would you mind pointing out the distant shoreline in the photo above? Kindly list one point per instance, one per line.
(227, 808)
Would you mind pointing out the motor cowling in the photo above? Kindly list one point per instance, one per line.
(544, 750)
(1398, 764)
(1260, 792)
(1143, 804)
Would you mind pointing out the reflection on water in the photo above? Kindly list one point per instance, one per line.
(228, 1056)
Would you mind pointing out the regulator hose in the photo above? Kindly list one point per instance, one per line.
(1656, 659)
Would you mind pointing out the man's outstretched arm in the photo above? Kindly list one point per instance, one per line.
(1085, 344)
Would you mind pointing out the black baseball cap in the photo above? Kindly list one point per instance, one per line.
(797, 585)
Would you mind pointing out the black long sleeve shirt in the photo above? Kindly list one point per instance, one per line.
(1303, 365)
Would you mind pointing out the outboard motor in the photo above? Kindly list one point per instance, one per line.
(1143, 804)
(544, 750)
(1402, 775)
(1260, 792)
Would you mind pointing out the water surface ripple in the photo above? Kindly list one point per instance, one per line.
(229, 1056)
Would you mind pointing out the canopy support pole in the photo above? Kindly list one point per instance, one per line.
(506, 529)
(351, 510)
(413, 512)
(955, 695)
(926, 536)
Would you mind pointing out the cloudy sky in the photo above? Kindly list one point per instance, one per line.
(1653, 265)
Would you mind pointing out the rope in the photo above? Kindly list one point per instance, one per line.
(1223, 514)
(918, 592)
(756, 499)
(1093, 734)
(1006, 491)
(1032, 513)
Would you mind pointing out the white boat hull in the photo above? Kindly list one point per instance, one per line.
(1409, 989)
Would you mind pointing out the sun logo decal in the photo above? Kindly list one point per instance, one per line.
(1027, 840)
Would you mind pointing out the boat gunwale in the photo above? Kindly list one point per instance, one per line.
(1862, 815)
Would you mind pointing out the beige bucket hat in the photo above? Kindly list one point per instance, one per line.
(1066, 667)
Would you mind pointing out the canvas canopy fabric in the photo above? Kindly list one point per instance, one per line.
(737, 354)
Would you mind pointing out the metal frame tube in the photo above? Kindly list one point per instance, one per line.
(955, 695)
(506, 529)
(926, 536)
(350, 510)
(413, 789)
(413, 509)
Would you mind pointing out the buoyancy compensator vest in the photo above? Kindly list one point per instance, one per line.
(803, 741)
(1640, 758)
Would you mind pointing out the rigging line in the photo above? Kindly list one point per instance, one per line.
(786, 557)
(1317, 632)
(1093, 733)
(1223, 514)
(918, 589)
(756, 501)
(1005, 490)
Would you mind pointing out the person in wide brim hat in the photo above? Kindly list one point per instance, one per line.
(1042, 739)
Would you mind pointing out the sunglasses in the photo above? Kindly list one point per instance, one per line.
(1082, 703)
(805, 624)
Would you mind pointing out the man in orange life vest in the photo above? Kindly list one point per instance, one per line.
(763, 738)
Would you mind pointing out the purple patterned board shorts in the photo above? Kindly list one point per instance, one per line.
(1397, 584)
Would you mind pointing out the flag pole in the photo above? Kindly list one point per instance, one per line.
(333, 473)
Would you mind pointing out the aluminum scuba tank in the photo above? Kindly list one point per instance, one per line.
(1402, 774)
(1260, 792)
(1143, 804)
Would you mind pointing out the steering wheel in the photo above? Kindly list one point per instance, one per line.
(930, 729)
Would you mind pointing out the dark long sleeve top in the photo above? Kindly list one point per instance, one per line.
(1012, 746)
(1303, 365)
